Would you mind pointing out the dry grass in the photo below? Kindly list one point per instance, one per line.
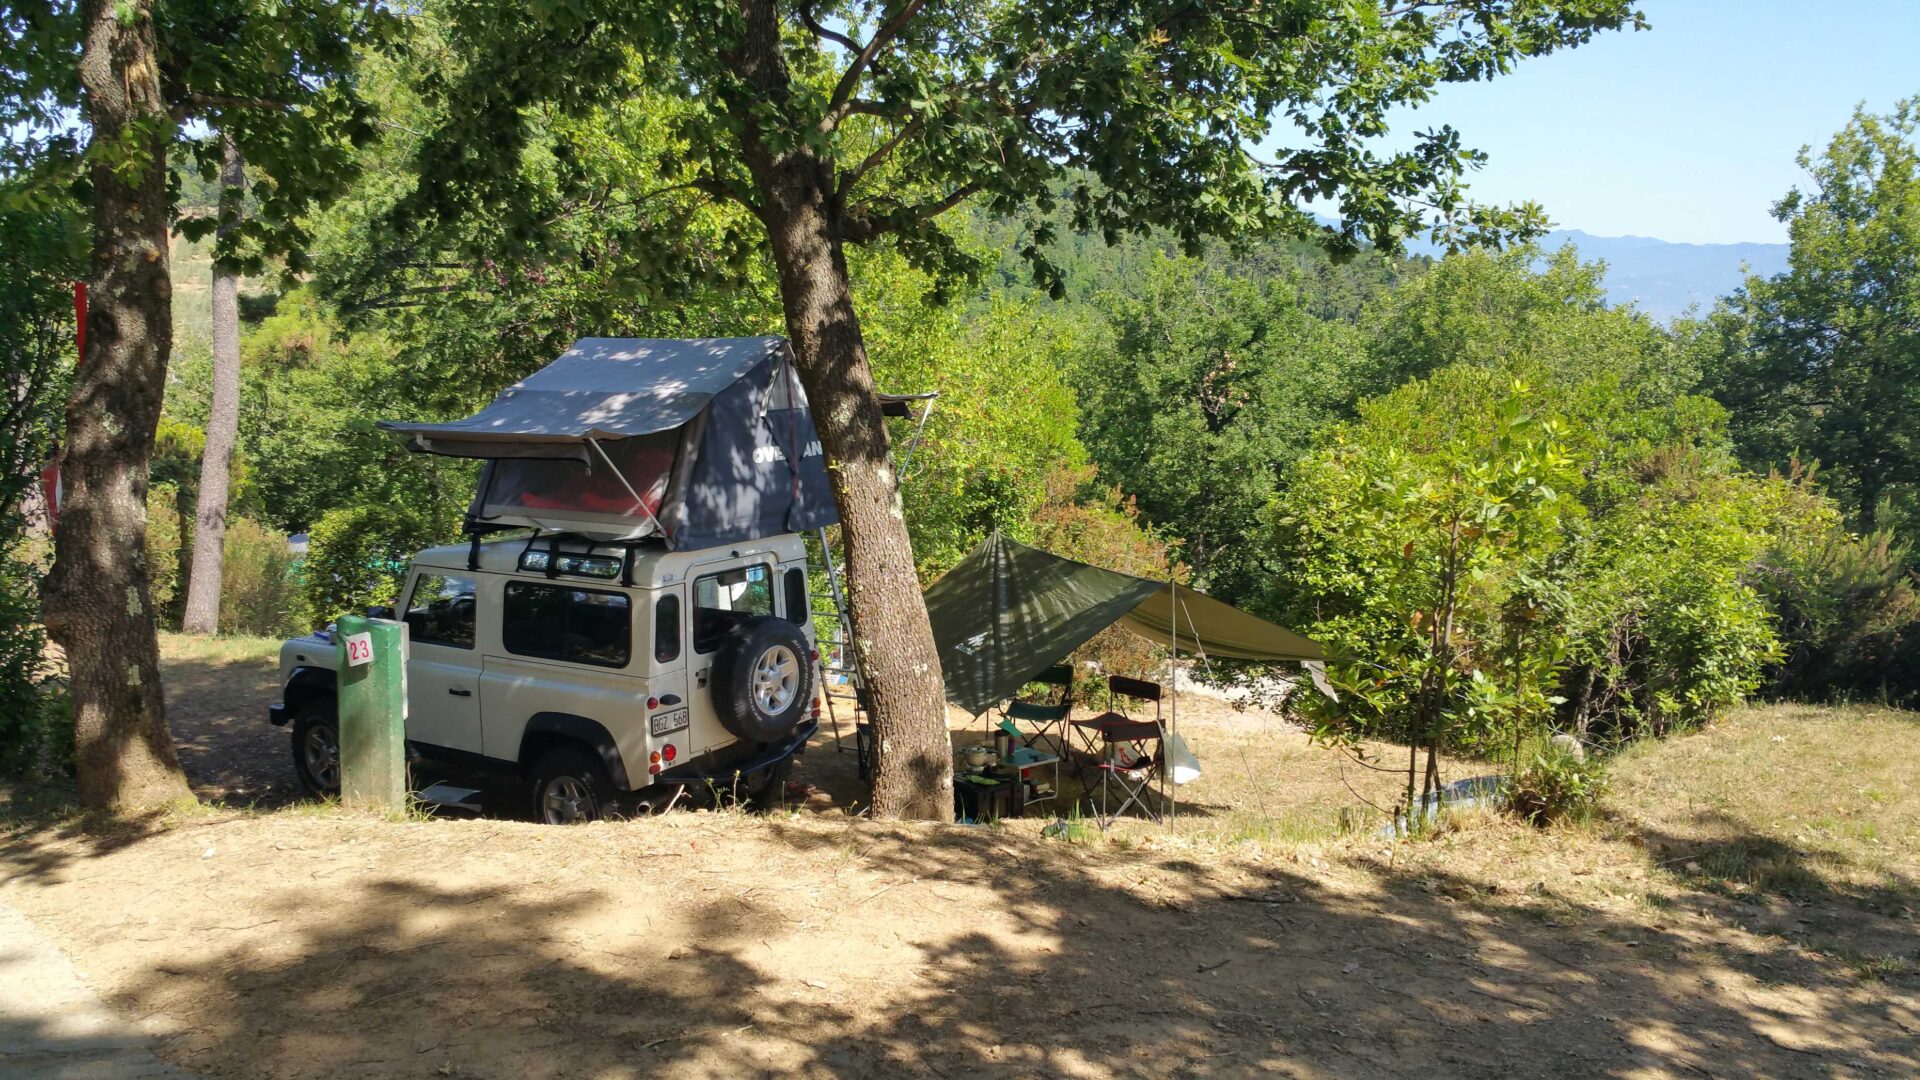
(1744, 905)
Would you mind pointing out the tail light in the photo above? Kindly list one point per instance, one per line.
(653, 761)
(668, 752)
(653, 703)
(816, 708)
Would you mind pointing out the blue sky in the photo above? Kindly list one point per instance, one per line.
(1686, 131)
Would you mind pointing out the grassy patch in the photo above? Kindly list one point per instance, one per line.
(236, 649)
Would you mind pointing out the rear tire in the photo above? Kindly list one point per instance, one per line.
(316, 749)
(570, 787)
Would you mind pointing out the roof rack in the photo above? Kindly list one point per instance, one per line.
(556, 561)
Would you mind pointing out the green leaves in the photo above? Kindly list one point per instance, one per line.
(1823, 362)
(276, 75)
(1141, 116)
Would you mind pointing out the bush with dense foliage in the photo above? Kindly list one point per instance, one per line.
(166, 538)
(260, 592)
(357, 557)
(1848, 613)
(1631, 605)
(1555, 784)
(1411, 534)
(36, 731)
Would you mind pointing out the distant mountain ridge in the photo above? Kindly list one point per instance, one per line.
(1663, 278)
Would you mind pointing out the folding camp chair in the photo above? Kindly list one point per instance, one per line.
(1126, 753)
(1047, 717)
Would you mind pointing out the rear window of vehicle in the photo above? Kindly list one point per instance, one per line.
(666, 629)
(797, 596)
(725, 600)
(559, 622)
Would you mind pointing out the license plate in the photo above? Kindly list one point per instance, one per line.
(667, 723)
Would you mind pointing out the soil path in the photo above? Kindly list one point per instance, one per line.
(52, 1025)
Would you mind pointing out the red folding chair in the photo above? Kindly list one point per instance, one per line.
(1125, 753)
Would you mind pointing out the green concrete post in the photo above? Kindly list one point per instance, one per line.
(373, 712)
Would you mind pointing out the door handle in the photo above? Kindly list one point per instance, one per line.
(458, 692)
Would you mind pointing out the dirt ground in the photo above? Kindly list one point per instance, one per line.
(1746, 907)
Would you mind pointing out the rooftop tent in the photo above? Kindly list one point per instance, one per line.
(701, 442)
(1009, 611)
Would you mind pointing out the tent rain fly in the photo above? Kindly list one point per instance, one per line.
(1009, 611)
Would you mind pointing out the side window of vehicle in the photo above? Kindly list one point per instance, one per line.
(797, 596)
(440, 612)
(561, 622)
(666, 628)
(724, 600)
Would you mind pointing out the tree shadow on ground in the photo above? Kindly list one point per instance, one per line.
(872, 950)
(217, 711)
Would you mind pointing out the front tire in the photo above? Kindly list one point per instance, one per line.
(316, 751)
(570, 787)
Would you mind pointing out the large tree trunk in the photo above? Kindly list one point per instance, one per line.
(899, 661)
(223, 420)
(98, 604)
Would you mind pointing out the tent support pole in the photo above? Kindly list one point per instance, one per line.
(638, 502)
(919, 432)
(1173, 705)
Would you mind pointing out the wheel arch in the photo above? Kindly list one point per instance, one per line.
(547, 730)
(307, 685)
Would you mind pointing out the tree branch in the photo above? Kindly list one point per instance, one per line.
(194, 103)
(850, 81)
(852, 177)
(861, 223)
(813, 26)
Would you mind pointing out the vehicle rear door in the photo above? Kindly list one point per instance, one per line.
(720, 595)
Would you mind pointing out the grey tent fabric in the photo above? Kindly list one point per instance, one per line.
(601, 388)
(1009, 611)
(701, 443)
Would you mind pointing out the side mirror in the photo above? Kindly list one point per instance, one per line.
(381, 612)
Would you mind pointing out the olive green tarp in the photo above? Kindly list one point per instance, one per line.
(1008, 612)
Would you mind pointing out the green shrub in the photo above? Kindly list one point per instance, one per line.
(1849, 616)
(259, 584)
(357, 557)
(1556, 784)
(166, 539)
(36, 727)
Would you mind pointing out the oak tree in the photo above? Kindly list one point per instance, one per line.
(1823, 361)
(850, 122)
(99, 95)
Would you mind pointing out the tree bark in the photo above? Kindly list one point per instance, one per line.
(98, 604)
(223, 421)
(899, 660)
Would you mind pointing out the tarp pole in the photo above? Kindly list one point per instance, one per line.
(919, 432)
(1173, 708)
(638, 502)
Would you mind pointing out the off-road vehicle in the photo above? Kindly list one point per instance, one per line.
(598, 678)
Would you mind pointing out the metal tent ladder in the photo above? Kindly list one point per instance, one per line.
(838, 654)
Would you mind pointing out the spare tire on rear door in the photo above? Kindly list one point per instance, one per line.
(762, 679)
